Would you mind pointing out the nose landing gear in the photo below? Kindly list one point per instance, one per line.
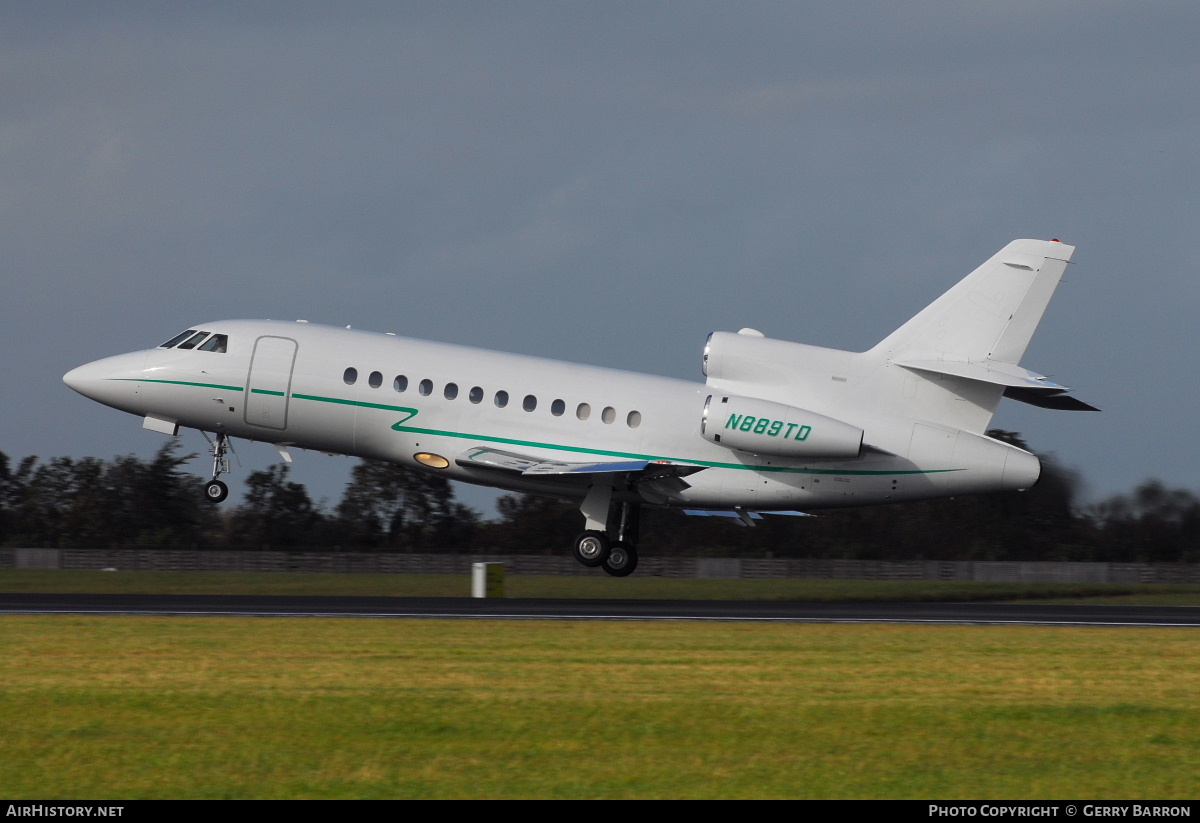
(215, 490)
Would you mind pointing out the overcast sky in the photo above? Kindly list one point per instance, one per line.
(601, 182)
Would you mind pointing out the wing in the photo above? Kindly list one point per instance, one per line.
(745, 517)
(483, 456)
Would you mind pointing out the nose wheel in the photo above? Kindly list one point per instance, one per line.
(216, 491)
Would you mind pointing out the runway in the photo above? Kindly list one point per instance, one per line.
(545, 609)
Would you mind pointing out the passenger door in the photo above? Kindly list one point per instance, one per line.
(270, 381)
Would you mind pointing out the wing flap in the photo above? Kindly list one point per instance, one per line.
(558, 467)
(496, 459)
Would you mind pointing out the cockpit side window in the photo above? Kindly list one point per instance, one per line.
(218, 343)
(191, 342)
(179, 338)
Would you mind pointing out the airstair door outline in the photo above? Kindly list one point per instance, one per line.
(270, 382)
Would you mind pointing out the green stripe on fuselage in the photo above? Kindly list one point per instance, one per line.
(183, 383)
(411, 412)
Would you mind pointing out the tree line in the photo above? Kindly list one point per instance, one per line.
(129, 502)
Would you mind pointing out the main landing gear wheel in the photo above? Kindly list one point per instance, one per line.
(591, 548)
(216, 491)
(622, 559)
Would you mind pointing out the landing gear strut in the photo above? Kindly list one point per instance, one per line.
(622, 555)
(597, 546)
(215, 490)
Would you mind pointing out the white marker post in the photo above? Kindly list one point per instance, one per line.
(487, 580)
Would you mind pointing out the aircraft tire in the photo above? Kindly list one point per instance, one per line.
(591, 548)
(216, 491)
(622, 559)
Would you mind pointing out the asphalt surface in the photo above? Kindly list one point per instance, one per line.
(546, 609)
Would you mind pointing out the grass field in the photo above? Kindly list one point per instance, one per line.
(598, 585)
(131, 707)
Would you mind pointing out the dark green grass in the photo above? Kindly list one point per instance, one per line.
(595, 585)
(125, 707)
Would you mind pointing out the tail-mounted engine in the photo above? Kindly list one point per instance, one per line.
(765, 427)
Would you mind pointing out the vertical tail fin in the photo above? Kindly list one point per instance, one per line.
(961, 353)
(991, 314)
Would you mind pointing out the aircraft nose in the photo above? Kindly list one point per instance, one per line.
(111, 381)
(84, 379)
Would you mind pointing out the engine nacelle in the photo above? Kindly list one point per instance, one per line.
(765, 427)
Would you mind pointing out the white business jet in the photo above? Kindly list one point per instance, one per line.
(777, 427)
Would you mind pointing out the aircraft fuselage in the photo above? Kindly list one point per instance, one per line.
(775, 428)
(335, 390)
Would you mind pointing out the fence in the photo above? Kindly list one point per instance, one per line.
(710, 567)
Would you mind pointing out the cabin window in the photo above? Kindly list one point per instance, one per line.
(375, 380)
(609, 414)
(400, 383)
(529, 403)
(425, 387)
(191, 342)
(634, 419)
(476, 395)
(584, 411)
(350, 375)
(218, 343)
(501, 399)
(451, 391)
(557, 408)
(177, 339)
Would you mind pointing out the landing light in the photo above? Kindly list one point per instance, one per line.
(433, 461)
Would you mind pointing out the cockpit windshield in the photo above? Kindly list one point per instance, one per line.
(217, 343)
(177, 339)
(192, 338)
(191, 342)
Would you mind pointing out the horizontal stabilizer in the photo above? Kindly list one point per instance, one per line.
(1019, 384)
(1048, 399)
(998, 374)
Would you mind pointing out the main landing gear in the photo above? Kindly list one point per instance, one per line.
(595, 547)
(215, 490)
